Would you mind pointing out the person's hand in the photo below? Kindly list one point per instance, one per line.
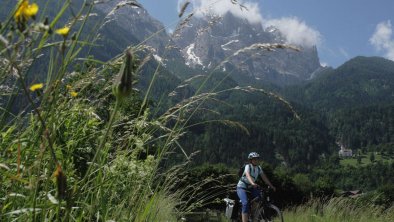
(255, 185)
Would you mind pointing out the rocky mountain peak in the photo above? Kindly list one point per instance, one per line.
(126, 24)
(207, 41)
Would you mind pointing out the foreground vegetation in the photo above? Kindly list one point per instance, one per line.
(333, 210)
(339, 209)
(71, 131)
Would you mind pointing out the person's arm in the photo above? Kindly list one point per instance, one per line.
(249, 177)
(267, 181)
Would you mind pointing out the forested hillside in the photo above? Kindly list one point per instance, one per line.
(360, 116)
(266, 124)
(357, 100)
(361, 81)
(308, 145)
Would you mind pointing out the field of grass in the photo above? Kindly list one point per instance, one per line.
(338, 210)
(365, 159)
(65, 156)
(332, 210)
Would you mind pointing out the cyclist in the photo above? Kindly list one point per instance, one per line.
(247, 182)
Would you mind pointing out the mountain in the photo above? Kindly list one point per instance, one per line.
(352, 104)
(361, 81)
(125, 25)
(356, 101)
(207, 41)
(129, 25)
(115, 25)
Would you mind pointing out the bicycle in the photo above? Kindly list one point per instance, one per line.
(263, 209)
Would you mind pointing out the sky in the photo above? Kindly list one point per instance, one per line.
(341, 29)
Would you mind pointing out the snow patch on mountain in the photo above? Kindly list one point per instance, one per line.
(192, 58)
(224, 46)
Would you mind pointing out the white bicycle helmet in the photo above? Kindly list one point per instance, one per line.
(253, 155)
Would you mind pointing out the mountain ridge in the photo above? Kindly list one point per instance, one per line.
(208, 41)
(361, 81)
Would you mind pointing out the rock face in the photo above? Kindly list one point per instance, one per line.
(205, 42)
(208, 41)
(126, 25)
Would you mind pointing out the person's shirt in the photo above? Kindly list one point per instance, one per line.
(254, 172)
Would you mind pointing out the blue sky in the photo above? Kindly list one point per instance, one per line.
(341, 29)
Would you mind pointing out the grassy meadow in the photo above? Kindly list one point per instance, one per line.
(338, 209)
(330, 210)
(365, 159)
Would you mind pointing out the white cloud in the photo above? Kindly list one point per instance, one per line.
(221, 7)
(296, 31)
(382, 39)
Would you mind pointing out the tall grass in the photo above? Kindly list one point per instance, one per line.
(339, 209)
(65, 157)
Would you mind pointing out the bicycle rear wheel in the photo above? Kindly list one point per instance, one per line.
(269, 213)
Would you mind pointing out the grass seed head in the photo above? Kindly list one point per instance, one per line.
(183, 8)
(61, 181)
(123, 84)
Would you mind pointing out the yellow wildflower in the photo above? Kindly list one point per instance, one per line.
(73, 94)
(63, 31)
(25, 11)
(36, 86)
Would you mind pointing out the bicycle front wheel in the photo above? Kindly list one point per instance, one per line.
(269, 213)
